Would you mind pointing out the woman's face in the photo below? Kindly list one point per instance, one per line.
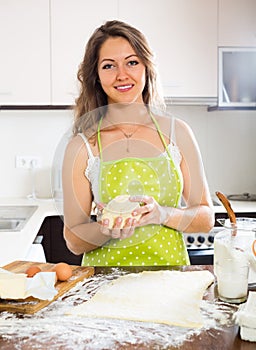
(121, 72)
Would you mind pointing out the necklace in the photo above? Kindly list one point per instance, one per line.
(126, 135)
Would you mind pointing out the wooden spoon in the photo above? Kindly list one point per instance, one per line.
(227, 206)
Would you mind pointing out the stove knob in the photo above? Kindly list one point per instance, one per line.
(201, 239)
(191, 239)
(211, 239)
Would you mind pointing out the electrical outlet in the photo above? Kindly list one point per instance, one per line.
(28, 162)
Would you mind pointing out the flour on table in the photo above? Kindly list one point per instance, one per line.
(167, 297)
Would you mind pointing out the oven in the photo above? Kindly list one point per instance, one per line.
(200, 246)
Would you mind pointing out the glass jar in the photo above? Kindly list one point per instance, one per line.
(237, 242)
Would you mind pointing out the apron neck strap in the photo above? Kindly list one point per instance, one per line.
(157, 128)
(99, 139)
(160, 133)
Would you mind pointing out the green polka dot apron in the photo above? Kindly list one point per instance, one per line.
(150, 245)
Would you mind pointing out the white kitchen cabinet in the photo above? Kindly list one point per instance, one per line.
(25, 52)
(72, 23)
(237, 23)
(183, 35)
(237, 73)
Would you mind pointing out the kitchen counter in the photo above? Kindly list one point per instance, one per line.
(238, 207)
(50, 328)
(16, 245)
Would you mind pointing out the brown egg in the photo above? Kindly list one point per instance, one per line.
(63, 271)
(32, 271)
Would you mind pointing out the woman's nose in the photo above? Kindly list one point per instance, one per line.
(121, 73)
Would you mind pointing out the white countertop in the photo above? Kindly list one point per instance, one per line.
(16, 245)
(238, 207)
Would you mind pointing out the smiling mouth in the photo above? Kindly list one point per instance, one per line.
(123, 87)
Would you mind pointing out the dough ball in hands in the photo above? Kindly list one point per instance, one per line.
(120, 206)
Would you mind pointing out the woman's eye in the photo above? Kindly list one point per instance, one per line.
(107, 66)
(133, 63)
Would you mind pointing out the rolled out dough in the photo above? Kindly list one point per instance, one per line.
(169, 297)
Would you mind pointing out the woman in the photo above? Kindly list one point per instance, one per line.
(122, 145)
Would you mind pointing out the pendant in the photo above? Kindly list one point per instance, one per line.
(128, 136)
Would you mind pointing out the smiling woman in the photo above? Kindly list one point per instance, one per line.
(89, 70)
(121, 72)
(125, 144)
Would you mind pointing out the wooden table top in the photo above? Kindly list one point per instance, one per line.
(225, 338)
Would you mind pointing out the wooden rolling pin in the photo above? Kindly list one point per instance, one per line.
(227, 206)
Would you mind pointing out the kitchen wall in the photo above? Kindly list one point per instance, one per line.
(32, 133)
(226, 139)
(227, 142)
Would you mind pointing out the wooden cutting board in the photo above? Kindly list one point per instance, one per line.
(32, 305)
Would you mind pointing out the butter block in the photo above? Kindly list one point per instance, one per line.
(12, 286)
(246, 315)
(19, 286)
(248, 333)
(246, 318)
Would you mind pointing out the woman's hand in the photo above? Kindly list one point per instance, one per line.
(151, 211)
(119, 230)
